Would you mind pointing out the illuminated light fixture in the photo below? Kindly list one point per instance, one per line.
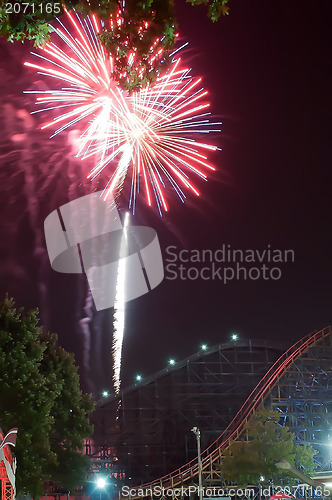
(234, 336)
(101, 482)
(172, 361)
(105, 394)
(138, 378)
(204, 347)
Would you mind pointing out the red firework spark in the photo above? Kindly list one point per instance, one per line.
(153, 133)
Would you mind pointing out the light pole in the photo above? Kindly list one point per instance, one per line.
(101, 484)
(197, 433)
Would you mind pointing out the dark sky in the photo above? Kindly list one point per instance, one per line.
(267, 67)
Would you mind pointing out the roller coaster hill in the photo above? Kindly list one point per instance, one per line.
(143, 436)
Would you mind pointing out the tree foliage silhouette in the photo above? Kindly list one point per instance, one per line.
(40, 394)
(146, 24)
(265, 442)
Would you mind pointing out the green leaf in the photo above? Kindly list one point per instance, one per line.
(264, 442)
(40, 394)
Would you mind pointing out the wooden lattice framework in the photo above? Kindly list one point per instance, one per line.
(297, 384)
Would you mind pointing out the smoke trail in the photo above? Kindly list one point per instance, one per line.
(119, 310)
(37, 176)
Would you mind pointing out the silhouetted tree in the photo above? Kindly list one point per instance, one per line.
(40, 394)
(265, 442)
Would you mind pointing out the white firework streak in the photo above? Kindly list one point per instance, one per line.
(119, 310)
(161, 124)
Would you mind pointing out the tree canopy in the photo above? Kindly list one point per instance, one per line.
(40, 394)
(147, 29)
(265, 442)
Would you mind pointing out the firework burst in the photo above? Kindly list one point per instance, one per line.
(152, 136)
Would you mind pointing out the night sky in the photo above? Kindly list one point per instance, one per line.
(267, 67)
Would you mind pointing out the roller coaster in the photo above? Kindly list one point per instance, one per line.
(298, 384)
